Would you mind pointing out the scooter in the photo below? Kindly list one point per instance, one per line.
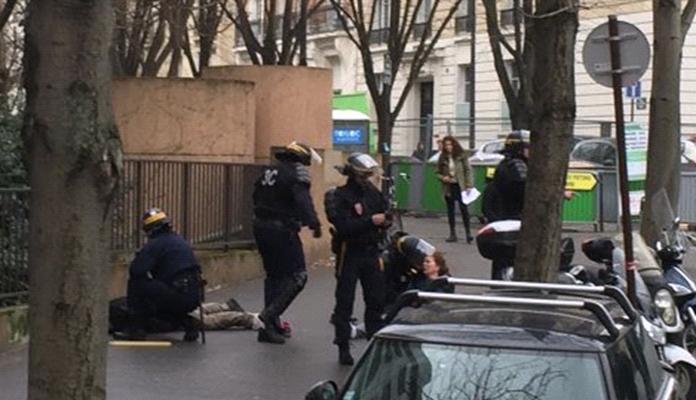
(497, 242)
(670, 249)
(661, 319)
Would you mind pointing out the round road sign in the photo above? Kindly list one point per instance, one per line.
(635, 54)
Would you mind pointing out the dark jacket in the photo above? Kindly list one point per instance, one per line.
(282, 193)
(350, 209)
(503, 197)
(164, 257)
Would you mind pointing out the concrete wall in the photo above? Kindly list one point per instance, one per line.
(292, 103)
(186, 119)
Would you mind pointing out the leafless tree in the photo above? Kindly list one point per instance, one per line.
(521, 56)
(278, 35)
(69, 126)
(151, 33)
(401, 21)
(670, 26)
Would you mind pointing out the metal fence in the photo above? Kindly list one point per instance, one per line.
(209, 203)
(14, 245)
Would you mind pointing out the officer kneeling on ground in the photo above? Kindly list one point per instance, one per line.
(282, 205)
(164, 281)
(357, 212)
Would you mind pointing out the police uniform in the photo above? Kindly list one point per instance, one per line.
(350, 208)
(282, 205)
(164, 279)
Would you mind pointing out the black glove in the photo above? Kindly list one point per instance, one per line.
(316, 231)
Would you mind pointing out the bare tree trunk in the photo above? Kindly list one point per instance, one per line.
(664, 158)
(74, 158)
(553, 90)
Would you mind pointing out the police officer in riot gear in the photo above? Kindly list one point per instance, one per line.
(164, 280)
(504, 195)
(282, 205)
(357, 211)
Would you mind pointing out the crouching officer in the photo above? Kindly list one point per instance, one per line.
(282, 205)
(164, 281)
(357, 212)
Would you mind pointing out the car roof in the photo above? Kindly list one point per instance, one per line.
(569, 329)
(491, 336)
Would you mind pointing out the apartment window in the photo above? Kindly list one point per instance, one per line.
(337, 75)
(462, 21)
(507, 14)
(325, 19)
(421, 27)
(380, 28)
(464, 79)
(513, 74)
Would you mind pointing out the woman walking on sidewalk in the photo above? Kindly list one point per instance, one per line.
(454, 172)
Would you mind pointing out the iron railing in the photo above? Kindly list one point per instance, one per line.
(14, 245)
(209, 203)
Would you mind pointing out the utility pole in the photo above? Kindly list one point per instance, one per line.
(471, 4)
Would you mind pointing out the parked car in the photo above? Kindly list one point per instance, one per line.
(531, 343)
(601, 152)
(490, 152)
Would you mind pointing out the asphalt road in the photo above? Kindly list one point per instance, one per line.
(233, 365)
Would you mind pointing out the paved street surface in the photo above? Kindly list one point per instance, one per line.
(233, 365)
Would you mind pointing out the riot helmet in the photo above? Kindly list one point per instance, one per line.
(298, 152)
(516, 142)
(155, 220)
(359, 166)
(414, 250)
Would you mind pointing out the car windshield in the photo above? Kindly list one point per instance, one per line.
(397, 369)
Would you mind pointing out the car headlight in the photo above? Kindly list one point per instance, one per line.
(666, 309)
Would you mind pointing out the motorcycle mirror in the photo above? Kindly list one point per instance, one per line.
(679, 290)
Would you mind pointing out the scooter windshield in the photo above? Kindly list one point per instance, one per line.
(664, 218)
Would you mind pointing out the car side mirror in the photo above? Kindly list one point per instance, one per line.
(325, 390)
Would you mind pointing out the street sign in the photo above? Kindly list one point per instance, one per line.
(581, 181)
(635, 54)
(642, 103)
(634, 91)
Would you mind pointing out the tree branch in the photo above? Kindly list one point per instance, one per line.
(687, 18)
(6, 12)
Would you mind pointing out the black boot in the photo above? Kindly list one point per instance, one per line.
(234, 305)
(268, 334)
(344, 357)
(452, 237)
(192, 329)
(134, 330)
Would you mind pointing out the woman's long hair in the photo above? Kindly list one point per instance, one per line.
(457, 150)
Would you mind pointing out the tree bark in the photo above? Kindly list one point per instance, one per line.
(664, 151)
(74, 154)
(553, 90)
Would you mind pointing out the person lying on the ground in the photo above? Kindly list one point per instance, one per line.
(216, 316)
(227, 315)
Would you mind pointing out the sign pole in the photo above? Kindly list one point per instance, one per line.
(615, 53)
(633, 109)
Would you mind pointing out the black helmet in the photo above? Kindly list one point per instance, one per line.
(414, 250)
(155, 220)
(359, 164)
(516, 141)
(599, 250)
(298, 152)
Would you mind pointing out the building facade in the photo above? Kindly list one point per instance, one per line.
(443, 90)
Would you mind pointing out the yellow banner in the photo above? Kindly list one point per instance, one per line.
(576, 181)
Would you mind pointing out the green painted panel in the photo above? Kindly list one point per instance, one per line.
(354, 101)
(433, 200)
(402, 186)
(581, 208)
